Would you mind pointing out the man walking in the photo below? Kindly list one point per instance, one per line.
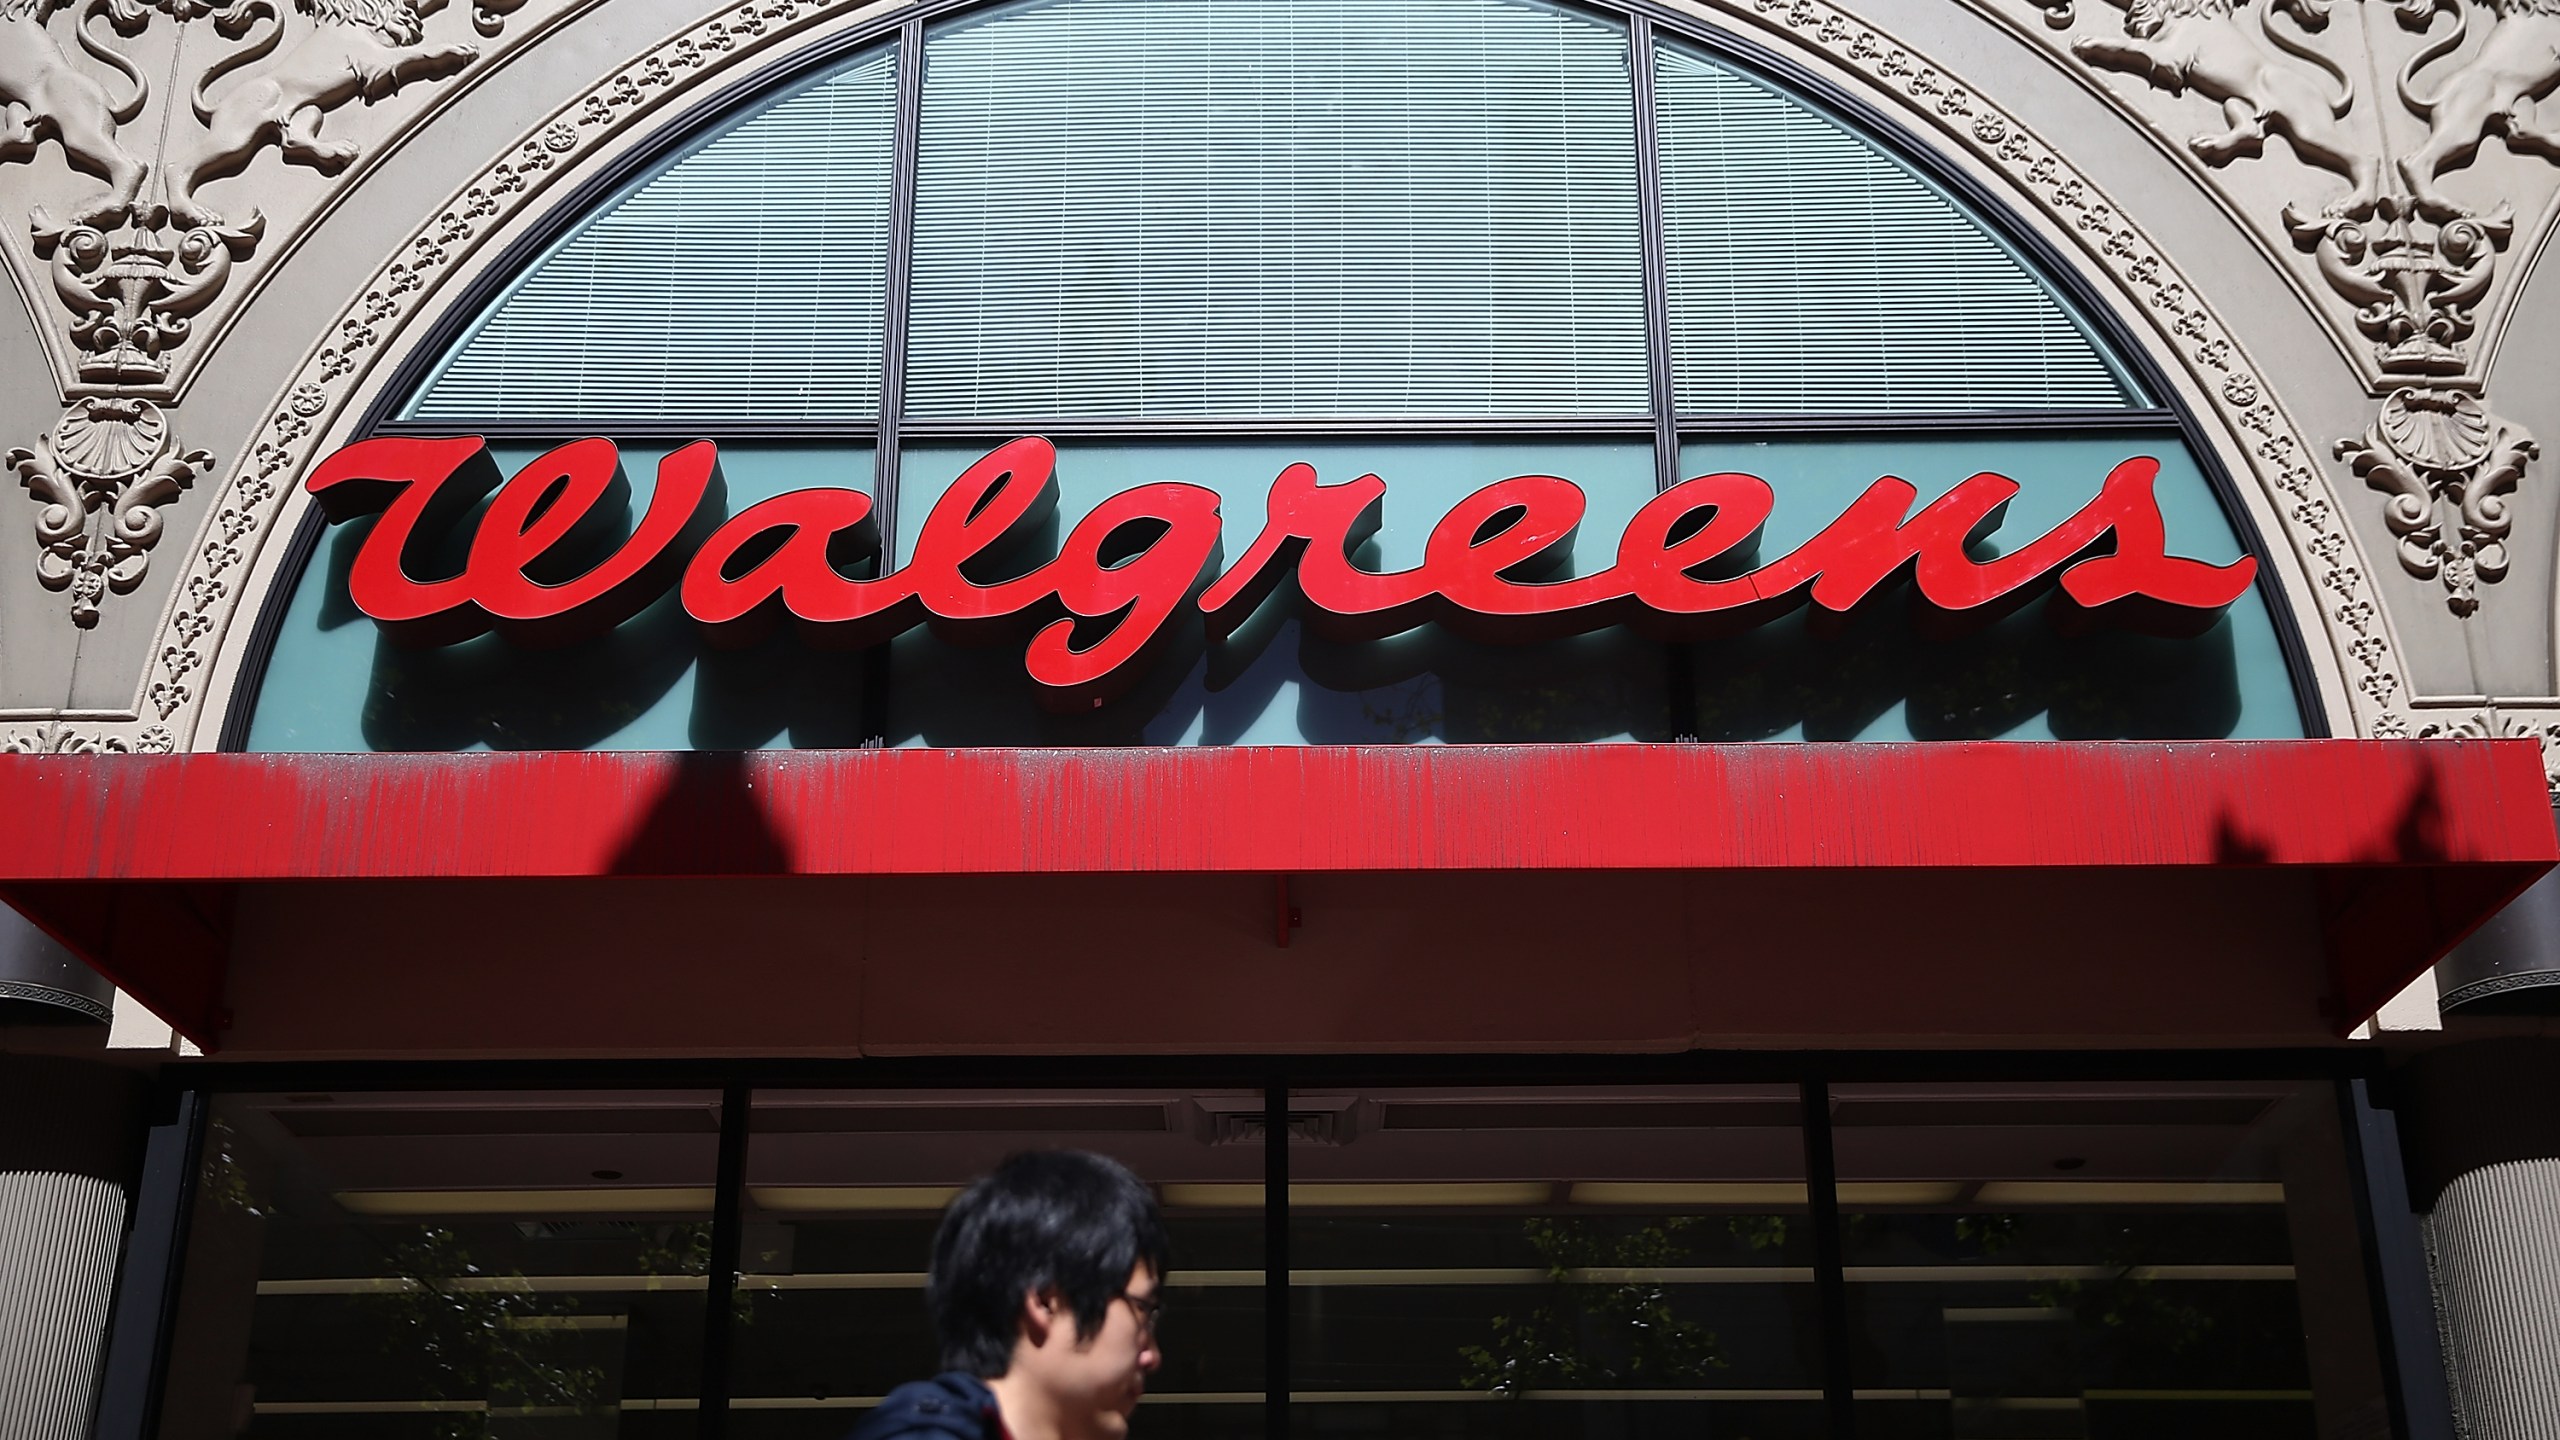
(1044, 1291)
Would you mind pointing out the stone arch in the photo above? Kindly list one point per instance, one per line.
(211, 636)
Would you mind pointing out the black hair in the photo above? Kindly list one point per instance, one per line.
(1060, 1220)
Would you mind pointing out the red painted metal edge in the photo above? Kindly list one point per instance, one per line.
(130, 859)
(1587, 807)
(168, 946)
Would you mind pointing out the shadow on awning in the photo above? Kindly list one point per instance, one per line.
(136, 862)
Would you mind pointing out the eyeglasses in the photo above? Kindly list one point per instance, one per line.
(1148, 1308)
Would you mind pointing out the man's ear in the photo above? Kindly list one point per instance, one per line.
(1039, 1315)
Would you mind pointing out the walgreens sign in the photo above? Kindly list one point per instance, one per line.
(1148, 558)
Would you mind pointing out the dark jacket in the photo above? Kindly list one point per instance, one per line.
(952, 1406)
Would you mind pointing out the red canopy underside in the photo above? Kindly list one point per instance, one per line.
(140, 863)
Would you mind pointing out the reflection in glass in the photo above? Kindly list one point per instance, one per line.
(2090, 1261)
(844, 1189)
(1601, 1261)
(425, 1266)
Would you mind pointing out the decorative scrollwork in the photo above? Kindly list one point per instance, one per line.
(2414, 291)
(99, 483)
(2495, 722)
(135, 265)
(131, 263)
(2412, 264)
(2447, 466)
(60, 739)
(131, 298)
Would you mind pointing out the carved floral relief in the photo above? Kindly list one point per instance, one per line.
(2446, 466)
(2407, 217)
(59, 738)
(131, 248)
(100, 481)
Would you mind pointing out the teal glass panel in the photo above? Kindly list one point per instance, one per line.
(1873, 678)
(1272, 683)
(743, 280)
(334, 684)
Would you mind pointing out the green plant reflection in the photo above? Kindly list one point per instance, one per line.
(485, 1336)
(1585, 1335)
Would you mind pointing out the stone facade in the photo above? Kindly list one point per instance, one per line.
(231, 228)
(2319, 220)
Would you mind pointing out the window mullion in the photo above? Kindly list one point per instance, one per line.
(1679, 685)
(1831, 1282)
(1275, 1258)
(1657, 290)
(893, 326)
(876, 670)
(720, 1287)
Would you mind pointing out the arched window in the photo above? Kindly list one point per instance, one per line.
(1133, 210)
(1812, 272)
(743, 281)
(1443, 241)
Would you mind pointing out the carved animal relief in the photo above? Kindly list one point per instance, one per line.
(135, 261)
(359, 50)
(2410, 265)
(44, 96)
(2265, 79)
(2492, 93)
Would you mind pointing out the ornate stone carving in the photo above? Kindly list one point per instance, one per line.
(132, 268)
(360, 49)
(99, 483)
(2411, 266)
(135, 266)
(2492, 93)
(132, 296)
(2414, 283)
(60, 739)
(2290, 79)
(2495, 722)
(42, 94)
(2265, 80)
(2448, 466)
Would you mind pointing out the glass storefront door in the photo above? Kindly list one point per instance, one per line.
(1533, 1261)
(2087, 1261)
(446, 1264)
(1611, 1261)
(844, 1189)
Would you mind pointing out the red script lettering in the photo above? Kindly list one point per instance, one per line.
(1091, 616)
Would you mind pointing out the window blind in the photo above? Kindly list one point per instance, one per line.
(1276, 207)
(742, 282)
(1810, 272)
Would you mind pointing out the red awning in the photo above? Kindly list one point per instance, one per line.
(136, 862)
